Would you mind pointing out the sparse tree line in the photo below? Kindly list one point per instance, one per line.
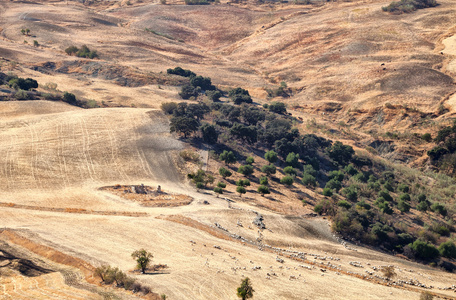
(25, 89)
(364, 197)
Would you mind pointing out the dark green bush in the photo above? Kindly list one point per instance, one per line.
(246, 170)
(424, 250)
(309, 180)
(333, 185)
(268, 169)
(287, 180)
(448, 249)
(327, 192)
(181, 72)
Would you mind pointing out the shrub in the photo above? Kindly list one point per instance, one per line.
(243, 182)
(21, 95)
(350, 169)
(249, 160)
(289, 170)
(210, 134)
(224, 172)
(287, 180)
(309, 180)
(404, 197)
(448, 249)
(262, 189)
(421, 198)
(71, 50)
(336, 175)
(341, 153)
(228, 157)
(403, 206)
(350, 193)
(424, 250)
(240, 95)
(422, 206)
(268, 169)
(427, 137)
(204, 83)
(327, 192)
(403, 188)
(309, 169)
(188, 91)
(271, 156)
(168, 107)
(292, 159)
(277, 107)
(221, 185)
(361, 177)
(324, 207)
(181, 72)
(388, 186)
(214, 95)
(189, 155)
(241, 190)
(69, 98)
(385, 195)
(439, 208)
(333, 185)
(426, 296)
(246, 170)
(408, 6)
(264, 180)
(362, 204)
(218, 190)
(344, 204)
(385, 208)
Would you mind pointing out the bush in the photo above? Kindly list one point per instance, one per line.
(439, 208)
(351, 193)
(168, 107)
(268, 169)
(243, 182)
(385, 195)
(309, 180)
(181, 72)
(246, 170)
(241, 190)
(336, 175)
(228, 157)
(350, 169)
(448, 249)
(333, 185)
(362, 204)
(204, 83)
(240, 95)
(324, 207)
(424, 250)
(218, 190)
(422, 206)
(277, 107)
(309, 169)
(289, 170)
(221, 185)
(403, 206)
(292, 159)
(210, 134)
(344, 204)
(264, 180)
(249, 160)
(262, 189)
(271, 156)
(224, 172)
(83, 52)
(403, 188)
(327, 192)
(69, 98)
(21, 95)
(408, 6)
(190, 155)
(214, 95)
(427, 137)
(188, 91)
(341, 153)
(287, 180)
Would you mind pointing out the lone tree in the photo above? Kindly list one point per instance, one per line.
(245, 291)
(228, 157)
(143, 259)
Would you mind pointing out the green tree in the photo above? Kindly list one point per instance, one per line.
(184, 125)
(262, 189)
(221, 185)
(228, 157)
(292, 159)
(424, 250)
(277, 107)
(188, 91)
(289, 170)
(168, 107)
(246, 170)
(309, 180)
(210, 134)
(341, 153)
(241, 190)
(264, 180)
(224, 172)
(271, 156)
(448, 249)
(268, 169)
(403, 206)
(249, 160)
(287, 180)
(69, 98)
(240, 95)
(218, 190)
(143, 259)
(327, 192)
(243, 182)
(245, 291)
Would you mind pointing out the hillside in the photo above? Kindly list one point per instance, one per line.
(72, 178)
